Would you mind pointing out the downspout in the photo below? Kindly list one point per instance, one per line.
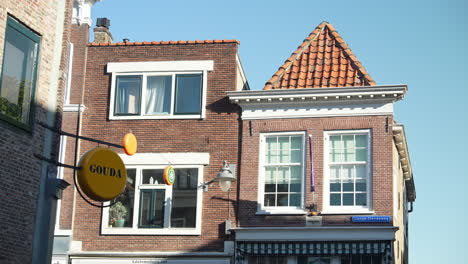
(411, 206)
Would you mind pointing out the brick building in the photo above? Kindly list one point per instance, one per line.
(321, 122)
(325, 174)
(34, 42)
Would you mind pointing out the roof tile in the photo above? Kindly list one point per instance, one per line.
(322, 60)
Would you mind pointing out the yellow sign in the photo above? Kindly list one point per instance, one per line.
(102, 175)
(130, 144)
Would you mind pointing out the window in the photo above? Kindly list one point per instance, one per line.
(153, 207)
(158, 95)
(347, 171)
(18, 76)
(282, 172)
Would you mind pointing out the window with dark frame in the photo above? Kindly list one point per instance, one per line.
(18, 77)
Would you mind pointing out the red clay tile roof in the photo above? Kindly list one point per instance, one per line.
(146, 43)
(322, 60)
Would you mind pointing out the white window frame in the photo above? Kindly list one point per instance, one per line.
(327, 208)
(158, 68)
(134, 230)
(261, 209)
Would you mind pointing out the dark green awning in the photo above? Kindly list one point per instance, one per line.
(312, 247)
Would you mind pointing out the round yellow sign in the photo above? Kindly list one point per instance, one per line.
(102, 175)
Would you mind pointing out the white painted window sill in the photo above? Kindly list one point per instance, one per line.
(156, 117)
(347, 212)
(151, 231)
(281, 212)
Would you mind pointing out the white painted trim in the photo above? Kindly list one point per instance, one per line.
(144, 75)
(160, 66)
(135, 230)
(306, 110)
(69, 74)
(180, 158)
(242, 73)
(261, 209)
(74, 108)
(61, 159)
(327, 208)
(81, 13)
(332, 233)
(62, 232)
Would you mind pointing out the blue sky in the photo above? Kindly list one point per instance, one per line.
(418, 43)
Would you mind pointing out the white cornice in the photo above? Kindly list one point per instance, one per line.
(82, 11)
(318, 102)
(331, 233)
(388, 93)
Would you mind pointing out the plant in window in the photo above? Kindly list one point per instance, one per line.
(117, 213)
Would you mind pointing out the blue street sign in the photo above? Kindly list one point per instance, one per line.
(371, 219)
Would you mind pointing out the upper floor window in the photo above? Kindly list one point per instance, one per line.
(347, 171)
(158, 90)
(152, 207)
(281, 172)
(18, 76)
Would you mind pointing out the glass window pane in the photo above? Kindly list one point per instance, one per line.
(127, 95)
(347, 172)
(283, 175)
(348, 186)
(270, 200)
(184, 199)
(295, 199)
(271, 143)
(270, 175)
(361, 172)
(272, 157)
(285, 156)
(19, 67)
(296, 156)
(295, 179)
(361, 186)
(335, 172)
(158, 95)
(152, 209)
(349, 155)
(348, 141)
(296, 142)
(282, 200)
(348, 199)
(336, 155)
(153, 176)
(361, 141)
(284, 143)
(361, 199)
(335, 142)
(335, 186)
(188, 94)
(117, 216)
(335, 199)
(361, 154)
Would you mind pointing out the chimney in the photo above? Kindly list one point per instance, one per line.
(101, 31)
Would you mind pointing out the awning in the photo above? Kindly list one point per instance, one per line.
(312, 247)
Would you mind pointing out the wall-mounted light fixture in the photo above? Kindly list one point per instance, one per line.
(224, 178)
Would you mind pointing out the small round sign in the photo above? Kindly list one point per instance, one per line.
(102, 175)
(130, 144)
(169, 175)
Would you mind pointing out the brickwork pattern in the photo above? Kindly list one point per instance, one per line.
(217, 134)
(21, 171)
(381, 165)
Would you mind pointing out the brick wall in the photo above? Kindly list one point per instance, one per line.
(20, 173)
(217, 134)
(381, 166)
